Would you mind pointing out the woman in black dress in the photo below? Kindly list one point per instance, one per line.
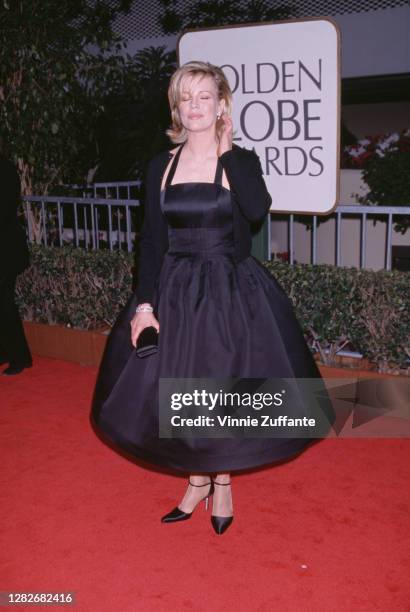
(218, 311)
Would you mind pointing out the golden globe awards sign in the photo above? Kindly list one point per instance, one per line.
(285, 78)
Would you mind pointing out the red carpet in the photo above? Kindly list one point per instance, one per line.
(325, 532)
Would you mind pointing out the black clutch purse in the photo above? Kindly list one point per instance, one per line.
(147, 342)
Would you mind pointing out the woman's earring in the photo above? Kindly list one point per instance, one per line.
(218, 116)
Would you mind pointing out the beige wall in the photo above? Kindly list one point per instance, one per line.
(371, 119)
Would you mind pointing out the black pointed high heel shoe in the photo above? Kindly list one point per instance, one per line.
(179, 515)
(221, 523)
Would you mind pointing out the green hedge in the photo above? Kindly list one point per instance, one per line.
(361, 310)
(73, 286)
(337, 307)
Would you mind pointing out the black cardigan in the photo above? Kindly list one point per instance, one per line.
(251, 203)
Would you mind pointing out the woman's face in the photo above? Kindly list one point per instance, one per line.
(199, 103)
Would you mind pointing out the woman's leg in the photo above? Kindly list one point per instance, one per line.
(222, 498)
(194, 494)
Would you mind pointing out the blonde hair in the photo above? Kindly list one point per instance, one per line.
(177, 133)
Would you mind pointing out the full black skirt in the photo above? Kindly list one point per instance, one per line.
(218, 319)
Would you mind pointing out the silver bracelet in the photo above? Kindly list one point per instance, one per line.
(144, 309)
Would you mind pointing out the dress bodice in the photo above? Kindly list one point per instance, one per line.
(199, 214)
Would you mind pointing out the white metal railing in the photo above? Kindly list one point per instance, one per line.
(117, 189)
(108, 188)
(345, 210)
(87, 222)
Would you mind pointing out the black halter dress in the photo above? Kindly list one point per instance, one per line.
(218, 319)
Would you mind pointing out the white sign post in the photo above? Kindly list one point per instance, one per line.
(285, 78)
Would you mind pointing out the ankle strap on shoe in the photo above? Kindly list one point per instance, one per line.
(202, 485)
(224, 484)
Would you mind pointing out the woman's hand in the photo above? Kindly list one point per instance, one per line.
(140, 321)
(225, 141)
